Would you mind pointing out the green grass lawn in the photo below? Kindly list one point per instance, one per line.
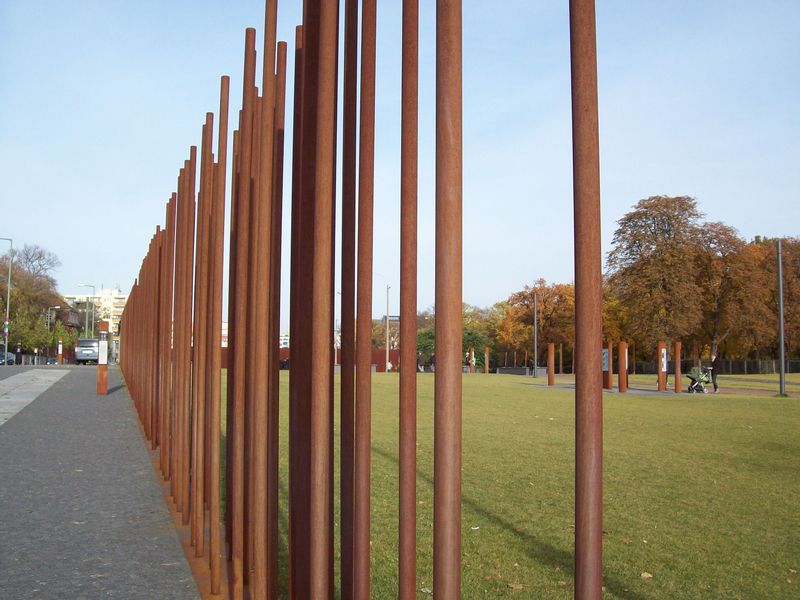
(701, 492)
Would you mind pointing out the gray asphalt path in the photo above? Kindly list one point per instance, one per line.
(81, 513)
(22, 388)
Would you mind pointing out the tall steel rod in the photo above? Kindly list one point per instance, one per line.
(407, 545)
(347, 398)
(366, 177)
(199, 343)
(321, 530)
(274, 333)
(447, 393)
(240, 331)
(166, 340)
(186, 398)
(588, 304)
(260, 325)
(301, 249)
(781, 342)
(215, 337)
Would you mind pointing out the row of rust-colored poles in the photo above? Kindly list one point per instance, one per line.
(171, 361)
(172, 325)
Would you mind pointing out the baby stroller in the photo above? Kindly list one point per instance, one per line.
(700, 378)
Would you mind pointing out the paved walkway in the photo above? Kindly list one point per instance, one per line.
(81, 513)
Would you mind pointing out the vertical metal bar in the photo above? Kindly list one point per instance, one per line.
(447, 393)
(551, 364)
(240, 334)
(588, 304)
(321, 530)
(199, 343)
(535, 333)
(215, 338)
(187, 342)
(362, 444)
(274, 335)
(260, 324)
(677, 359)
(347, 406)
(781, 341)
(622, 378)
(298, 397)
(661, 367)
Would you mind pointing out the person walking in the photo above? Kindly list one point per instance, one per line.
(715, 366)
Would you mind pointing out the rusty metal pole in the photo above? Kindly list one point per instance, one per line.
(677, 359)
(302, 250)
(321, 526)
(409, 123)
(588, 305)
(240, 333)
(361, 511)
(661, 366)
(622, 369)
(608, 373)
(347, 382)
(199, 343)
(215, 337)
(166, 339)
(447, 394)
(274, 335)
(186, 396)
(472, 360)
(551, 364)
(486, 359)
(262, 578)
(561, 359)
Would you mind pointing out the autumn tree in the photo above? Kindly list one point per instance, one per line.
(651, 269)
(33, 290)
(735, 290)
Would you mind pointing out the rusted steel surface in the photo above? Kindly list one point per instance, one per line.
(362, 437)
(608, 374)
(321, 422)
(677, 359)
(215, 338)
(409, 143)
(274, 318)
(348, 285)
(661, 367)
(298, 407)
(551, 364)
(622, 369)
(447, 394)
(588, 304)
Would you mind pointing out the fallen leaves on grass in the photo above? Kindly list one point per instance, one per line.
(515, 586)
(647, 575)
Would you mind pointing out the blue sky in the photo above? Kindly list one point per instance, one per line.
(101, 100)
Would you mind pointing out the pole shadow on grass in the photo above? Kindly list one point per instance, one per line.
(542, 552)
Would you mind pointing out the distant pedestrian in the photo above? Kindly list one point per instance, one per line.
(715, 367)
(433, 363)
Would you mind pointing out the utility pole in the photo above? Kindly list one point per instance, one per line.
(8, 299)
(388, 287)
(535, 332)
(86, 314)
(781, 357)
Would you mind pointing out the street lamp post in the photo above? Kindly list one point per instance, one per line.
(49, 308)
(94, 292)
(8, 298)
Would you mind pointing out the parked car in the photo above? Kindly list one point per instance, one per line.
(87, 350)
(9, 358)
